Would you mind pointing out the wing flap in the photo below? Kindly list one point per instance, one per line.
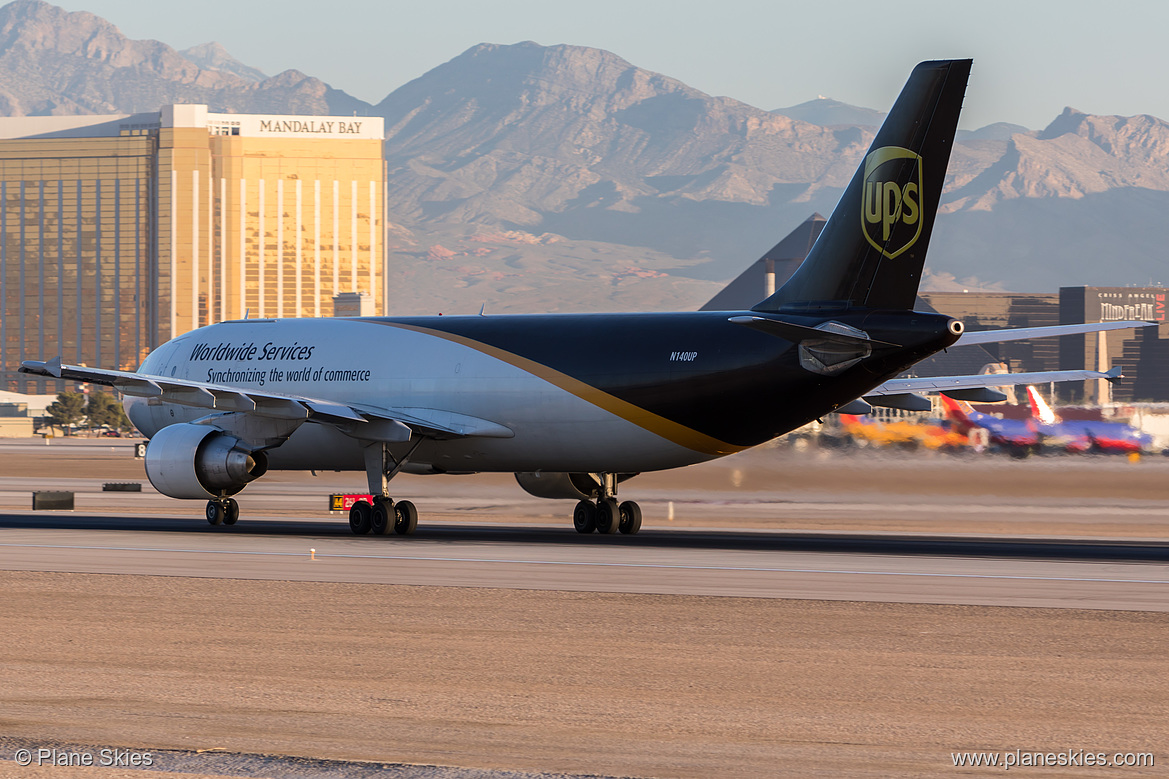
(906, 401)
(327, 408)
(200, 397)
(280, 408)
(139, 388)
(233, 401)
(450, 423)
(378, 429)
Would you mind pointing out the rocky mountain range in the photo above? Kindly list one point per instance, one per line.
(53, 62)
(212, 56)
(582, 144)
(827, 112)
(560, 177)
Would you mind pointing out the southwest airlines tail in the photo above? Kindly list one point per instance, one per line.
(872, 251)
(958, 412)
(1040, 411)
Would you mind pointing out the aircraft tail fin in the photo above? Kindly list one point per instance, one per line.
(872, 251)
(1039, 408)
(957, 412)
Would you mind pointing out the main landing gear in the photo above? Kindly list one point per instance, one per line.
(384, 516)
(606, 515)
(222, 511)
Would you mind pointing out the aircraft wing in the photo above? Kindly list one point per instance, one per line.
(943, 383)
(1022, 333)
(358, 420)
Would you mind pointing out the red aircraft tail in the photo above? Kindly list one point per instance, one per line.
(956, 412)
(1040, 411)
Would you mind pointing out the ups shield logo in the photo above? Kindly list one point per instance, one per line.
(891, 207)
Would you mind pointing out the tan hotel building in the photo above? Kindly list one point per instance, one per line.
(118, 233)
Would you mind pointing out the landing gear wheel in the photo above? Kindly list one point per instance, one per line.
(630, 518)
(608, 516)
(215, 512)
(360, 517)
(584, 517)
(230, 511)
(407, 518)
(382, 517)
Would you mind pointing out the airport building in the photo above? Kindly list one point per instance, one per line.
(995, 311)
(1142, 355)
(118, 233)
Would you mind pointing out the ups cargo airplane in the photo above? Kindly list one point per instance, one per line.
(573, 404)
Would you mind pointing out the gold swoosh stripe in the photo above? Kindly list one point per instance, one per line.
(647, 420)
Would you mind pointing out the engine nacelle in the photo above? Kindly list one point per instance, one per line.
(196, 461)
(563, 486)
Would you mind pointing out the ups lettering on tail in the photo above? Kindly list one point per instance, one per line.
(891, 191)
(886, 203)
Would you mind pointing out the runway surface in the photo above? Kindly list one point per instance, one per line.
(1063, 532)
(888, 568)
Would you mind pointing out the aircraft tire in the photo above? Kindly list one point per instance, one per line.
(215, 513)
(406, 518)
(584, 517)
(230, 511)
(608, 516)
(630, 518)
(360, 518)
(382, 517)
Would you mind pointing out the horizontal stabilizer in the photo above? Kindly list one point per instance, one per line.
(1022, 333)
(946, 384)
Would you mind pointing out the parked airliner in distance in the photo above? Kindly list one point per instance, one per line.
(574, 405)
(1043, 430)
(1081, 435)
(903, 433)
(1018, 437)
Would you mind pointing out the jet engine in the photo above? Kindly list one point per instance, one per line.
(197, 461)
(563, 486)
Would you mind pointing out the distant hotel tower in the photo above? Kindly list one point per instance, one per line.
(118, 233)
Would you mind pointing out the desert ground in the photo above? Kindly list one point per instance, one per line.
(510, 681)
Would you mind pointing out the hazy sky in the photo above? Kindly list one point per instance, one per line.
(1031, 58)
